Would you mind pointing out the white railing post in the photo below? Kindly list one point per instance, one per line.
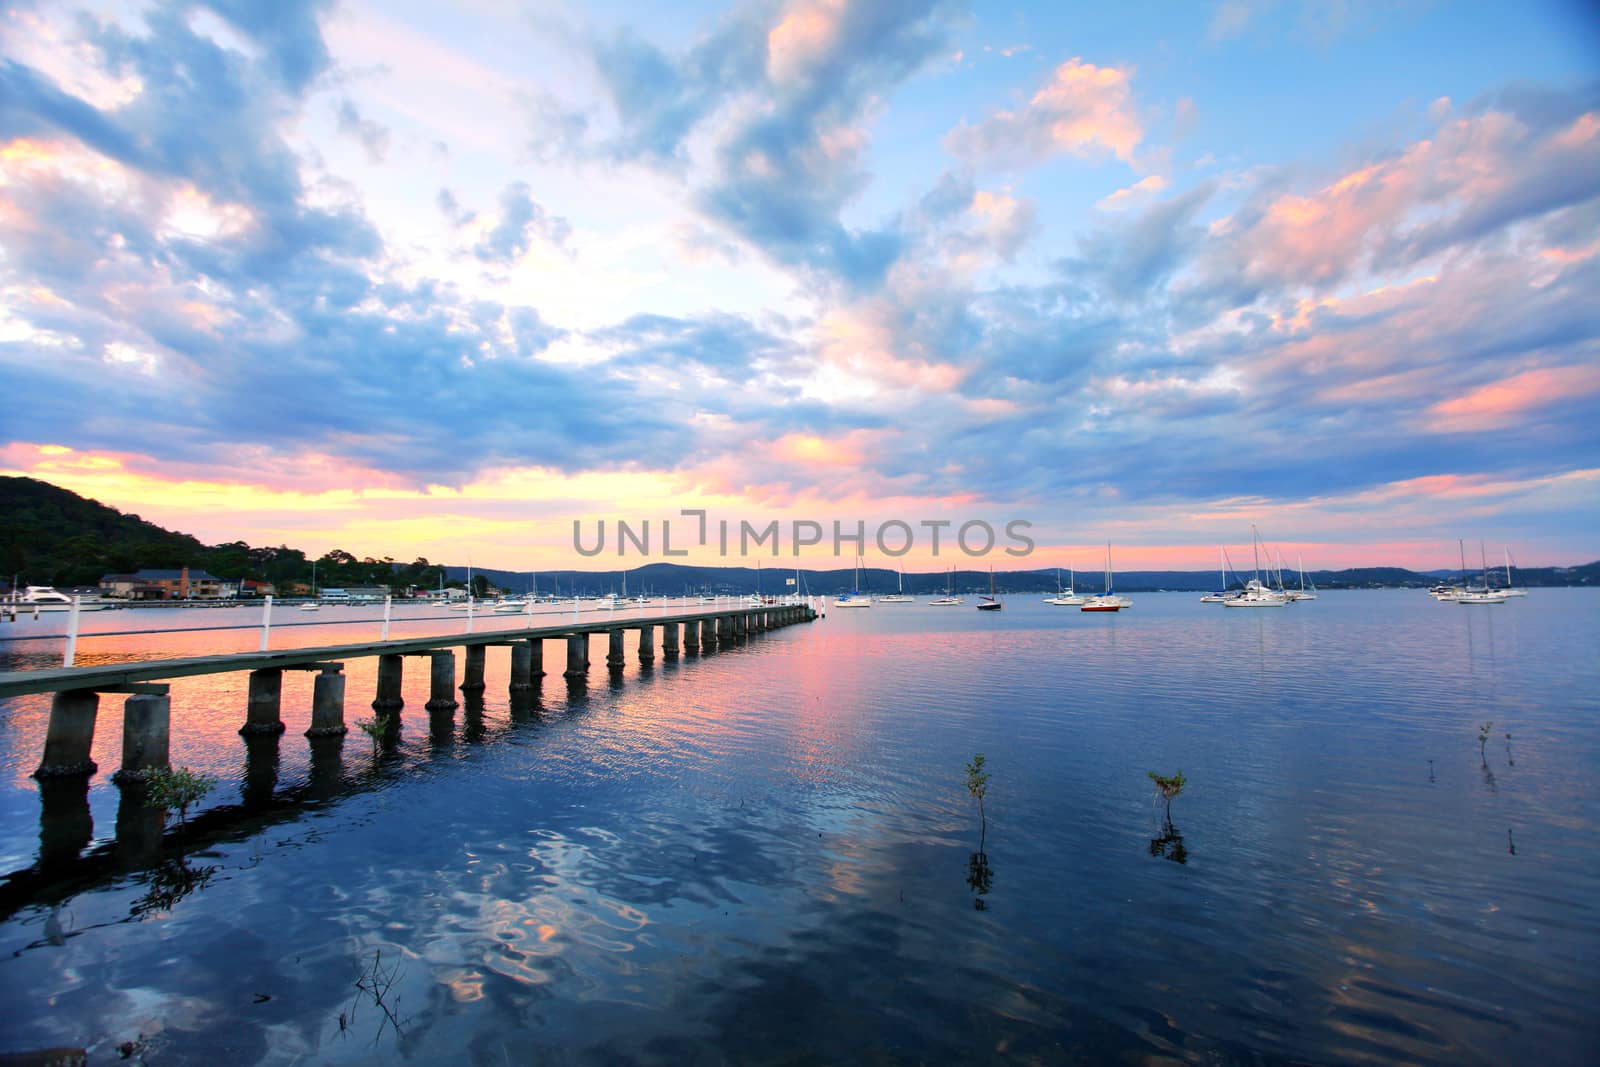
(530, 611)
(266, 621)
(469, 613)
(71, 651)
(387, 601)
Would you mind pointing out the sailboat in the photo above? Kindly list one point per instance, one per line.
(989, 603)
(899, 595)
(467, 604)
(949, 597)
(1484, 595)
(312, 605)
(1109, 600)
(1257, 595)
(1302, 593)
(1511, 590)
(855, 598)
(1223, 595)
(1070, 598)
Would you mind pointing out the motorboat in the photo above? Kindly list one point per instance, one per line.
(36, 598)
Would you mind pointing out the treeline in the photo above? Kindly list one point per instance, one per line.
(51, 536)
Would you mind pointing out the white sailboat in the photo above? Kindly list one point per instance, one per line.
(1069, 598)
(312, 605)
(1484, 595)
(899, 595)
(1257, 595)
(1511, 590)
(1302, 593)
(949, 599)
(1223, 595)
(855, 598)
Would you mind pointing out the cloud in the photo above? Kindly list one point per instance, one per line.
(1500, 404)
(1516, 158)
(1084, 110)
(1138, 191)
(373, 136)
(522, 219)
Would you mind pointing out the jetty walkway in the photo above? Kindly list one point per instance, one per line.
(147, 709)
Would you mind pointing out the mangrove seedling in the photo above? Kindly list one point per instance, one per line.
(978, 785)
(1483, 739)
(1509, 761)
(376, 728)
(1168, 788)
(168, 788)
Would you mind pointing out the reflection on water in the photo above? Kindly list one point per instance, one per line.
(748, 854)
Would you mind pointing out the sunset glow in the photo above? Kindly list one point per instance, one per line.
(415, 283)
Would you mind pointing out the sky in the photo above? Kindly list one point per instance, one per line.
(410, 279)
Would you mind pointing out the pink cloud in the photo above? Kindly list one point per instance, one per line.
(1501, 403)
(1084, 110)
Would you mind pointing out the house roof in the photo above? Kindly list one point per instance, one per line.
(147, 574)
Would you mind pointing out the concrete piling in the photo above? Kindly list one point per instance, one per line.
(536, 664)
(69, 738)
(647, 644)
(669, 640)
(521, 666)
(691, 636)
(146, 735)
(263, 710)
(577, 656)
(472, 680)
(327, 704)
(614, 655)
(708, 633)
(391, 672)
(442, 681)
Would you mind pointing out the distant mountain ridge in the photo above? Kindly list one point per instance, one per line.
(673, 579)
(52, 536)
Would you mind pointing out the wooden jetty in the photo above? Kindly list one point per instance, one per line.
(147, 709)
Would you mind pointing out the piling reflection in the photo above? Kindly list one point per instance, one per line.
(66, 824)
(441, 730)
(526, 706)
(139, 824)
(472, 728)
(327, 768)
(261, 762)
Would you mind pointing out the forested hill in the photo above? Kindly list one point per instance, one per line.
(51, 536)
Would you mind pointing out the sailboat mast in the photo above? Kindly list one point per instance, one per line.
(1255, 550)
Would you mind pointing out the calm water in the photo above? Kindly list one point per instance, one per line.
(762, 854)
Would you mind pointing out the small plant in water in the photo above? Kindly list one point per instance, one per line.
(1483, 739)
(376, 728)
(978, 785)
(980, 876)
(1168, 787)
(169, 788)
